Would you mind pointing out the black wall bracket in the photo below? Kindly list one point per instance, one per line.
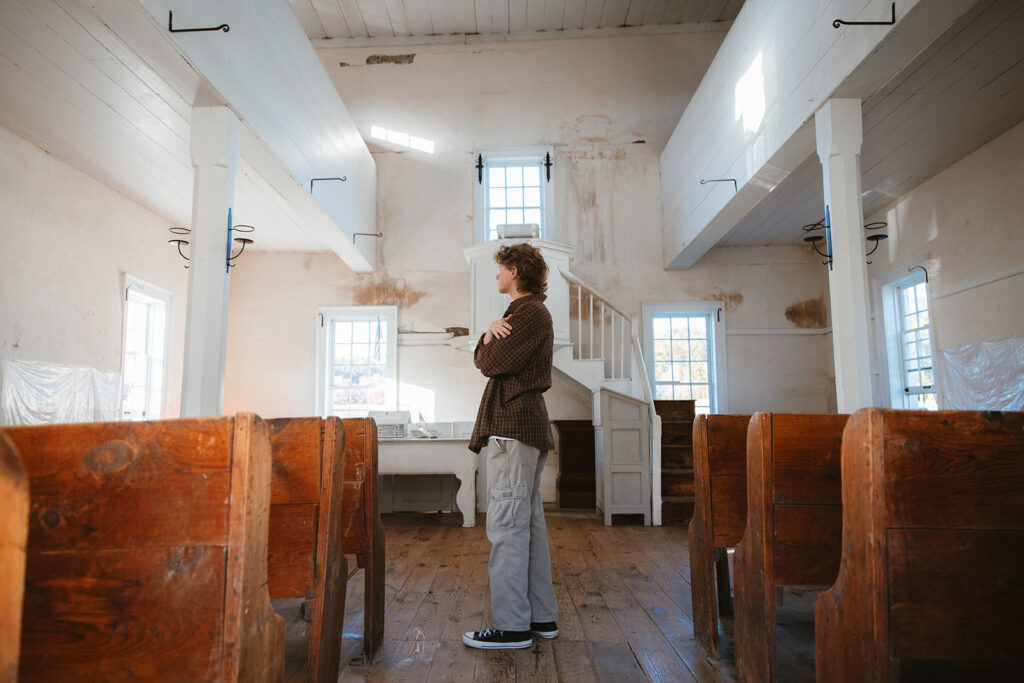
(840, 22)
(735, 187)
(313, 180)
(170, 26)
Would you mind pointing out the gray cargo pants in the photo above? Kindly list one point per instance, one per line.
(520, 564)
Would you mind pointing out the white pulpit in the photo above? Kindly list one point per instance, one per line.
(486, 304)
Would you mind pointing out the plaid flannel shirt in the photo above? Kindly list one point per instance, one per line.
(519, 367)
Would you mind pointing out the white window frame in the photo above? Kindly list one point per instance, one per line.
(513, 156)
(888, 331)
(326, 315)
(717, 372)
(137, 287)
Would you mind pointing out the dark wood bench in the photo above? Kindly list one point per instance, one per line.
(793, 530)
(147, 552)
(305, 556)
(719, 517)
(13, 534)
(931, 585)
(362, 531)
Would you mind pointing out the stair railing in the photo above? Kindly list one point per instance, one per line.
(655, 431)
(591, 337)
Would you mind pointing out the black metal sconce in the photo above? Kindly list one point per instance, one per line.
(825, 223)
(244, 241)
(368, 234)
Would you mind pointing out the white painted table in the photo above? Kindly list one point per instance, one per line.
(434, 456)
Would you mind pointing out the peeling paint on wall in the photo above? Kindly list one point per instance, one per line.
(389, 292)
(808, 314)
(390, 59)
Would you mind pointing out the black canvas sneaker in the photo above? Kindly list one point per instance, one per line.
(493, 639)
(544, 629)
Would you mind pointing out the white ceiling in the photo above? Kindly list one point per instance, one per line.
(961, 92)
(391, 22)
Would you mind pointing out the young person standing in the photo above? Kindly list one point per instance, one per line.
(512, 428)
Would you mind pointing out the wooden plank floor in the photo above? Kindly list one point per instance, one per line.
(624, 603)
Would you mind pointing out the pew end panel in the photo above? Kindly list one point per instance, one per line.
(720, 511)
(305, 558)
(146, 551)
(793, 531)
(362, 529)
(14, 506)
(933, 550)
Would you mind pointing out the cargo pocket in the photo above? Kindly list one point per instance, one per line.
(508, 507)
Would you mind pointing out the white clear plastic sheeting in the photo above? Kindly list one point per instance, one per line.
(985, 376)
(34, 392)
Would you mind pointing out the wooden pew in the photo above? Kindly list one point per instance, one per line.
(362, 531)
(147, 552)
(13, 534)
(930, 586)
(793, 530)
(719, 517)
(305, 556)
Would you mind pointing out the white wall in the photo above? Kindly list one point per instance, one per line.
(593, 100)
(967, 224)
(65, 242)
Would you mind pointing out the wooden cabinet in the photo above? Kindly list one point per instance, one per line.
(575, 484)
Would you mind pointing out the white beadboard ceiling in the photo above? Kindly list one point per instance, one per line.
(961, 92)
(394, 22)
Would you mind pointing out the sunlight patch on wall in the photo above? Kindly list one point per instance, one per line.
(401, 139)
(750, 101)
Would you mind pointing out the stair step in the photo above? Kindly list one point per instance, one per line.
(676, 457)
(675, 483)
(675, 410)
(676, 433)
(676, 510)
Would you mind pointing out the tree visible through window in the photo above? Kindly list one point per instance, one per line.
(357, 349)
(682, 364)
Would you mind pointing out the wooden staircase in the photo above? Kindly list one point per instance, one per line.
(677, 493)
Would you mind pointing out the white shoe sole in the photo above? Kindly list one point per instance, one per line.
(545, 634)
(467, 638)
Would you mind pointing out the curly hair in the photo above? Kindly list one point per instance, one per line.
(529, 263)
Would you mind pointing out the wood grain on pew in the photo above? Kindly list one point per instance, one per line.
(13, 535)
(147, 553)
(793, 529)
(719, 517)
(930, 585)
(305, 557)
(362, 530)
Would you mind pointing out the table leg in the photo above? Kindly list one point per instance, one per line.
(466, 496)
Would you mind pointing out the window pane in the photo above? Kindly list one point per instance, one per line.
(515, 216)
(360, 354)
(497, 197)
(680, 350)
(343, 332)
(663, 392)
(497, 218)
(681, 372)
(661, 350)
(662, 372)
(532, 216)
(698, 350)
(660, 327)
(514, 176)
(683, 392)
(531, 197)
(699, 328)
(515, 196)
(679, 328)
(361, 332)
(531, 175)
(496, 177)
(342, 354)
(699, 372)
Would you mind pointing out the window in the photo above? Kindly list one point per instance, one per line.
(909, 343)
(356, 360)
(685, 353)
(513, 188)
(145, 338)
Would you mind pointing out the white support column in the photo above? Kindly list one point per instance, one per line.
(215, 153)
(839, 133)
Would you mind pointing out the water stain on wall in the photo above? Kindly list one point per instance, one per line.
(808, 314)
(732, 300)
(387, 293)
